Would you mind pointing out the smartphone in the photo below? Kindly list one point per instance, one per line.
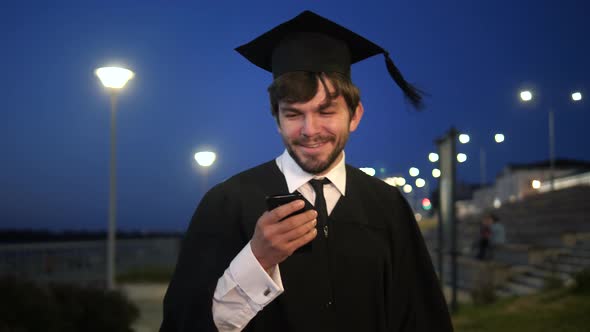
(272, 202)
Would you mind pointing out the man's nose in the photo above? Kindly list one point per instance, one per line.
(311, 126)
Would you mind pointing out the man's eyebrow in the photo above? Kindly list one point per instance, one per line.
(289, 109)
(327, 103)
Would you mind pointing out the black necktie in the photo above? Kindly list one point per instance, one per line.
(320, 203)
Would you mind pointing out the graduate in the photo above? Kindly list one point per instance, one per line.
(345, 255)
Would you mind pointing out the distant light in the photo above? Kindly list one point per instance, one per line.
(497, 203)
(433, 157)
(499, 138)
(382, 170)
(390, 181)
(526, 95)
(407, 189)
(420, 182)
(205, 158)
(368, 170)
(436, 173)
(114, 77)
(400, 181)
(464, 138)
(536, 184)
(426, 205)
(576, 96)
(418, 217)
(461, 157)
(414, 171)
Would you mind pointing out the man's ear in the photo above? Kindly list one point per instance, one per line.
(356, 118)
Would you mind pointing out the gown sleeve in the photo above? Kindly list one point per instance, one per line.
(213, 239)
(425, 308)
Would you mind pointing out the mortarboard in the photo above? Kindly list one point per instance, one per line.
(312, 43)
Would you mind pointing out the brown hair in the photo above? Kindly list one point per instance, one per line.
(302, 86)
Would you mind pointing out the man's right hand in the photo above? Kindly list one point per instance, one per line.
(275, 239)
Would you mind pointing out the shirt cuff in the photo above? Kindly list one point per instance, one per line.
(261, 287)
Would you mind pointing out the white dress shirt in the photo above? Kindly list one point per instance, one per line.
(245, 287)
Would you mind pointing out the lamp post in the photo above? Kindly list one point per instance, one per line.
(527, 96)
(114, 79)
(205, 159)
(498, 138)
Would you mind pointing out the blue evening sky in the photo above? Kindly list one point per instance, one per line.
(192, 92)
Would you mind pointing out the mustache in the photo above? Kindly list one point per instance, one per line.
(313, 140)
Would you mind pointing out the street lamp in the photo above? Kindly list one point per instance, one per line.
(433, 157)
(368, 170)
(205, 159)
(498, 138)
(461, 157)
(464, 138)
(527, 96)
(114, 79)
(436, 173)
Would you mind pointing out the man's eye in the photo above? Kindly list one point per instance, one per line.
(290, 115)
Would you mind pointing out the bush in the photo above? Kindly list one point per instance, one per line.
(484, 291)
(552, 282)
(582, 279)
(27, 306)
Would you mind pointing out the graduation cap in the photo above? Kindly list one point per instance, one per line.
(313, 43)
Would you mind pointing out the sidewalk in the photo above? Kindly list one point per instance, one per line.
(148, 298)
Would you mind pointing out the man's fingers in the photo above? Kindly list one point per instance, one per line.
(303, 240)
(284, 210)
(300, 230)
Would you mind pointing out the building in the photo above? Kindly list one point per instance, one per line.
(516, 182)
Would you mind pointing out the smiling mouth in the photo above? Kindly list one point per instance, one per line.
(312, 146)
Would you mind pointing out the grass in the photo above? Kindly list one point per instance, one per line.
(146, 275)
(562, 309)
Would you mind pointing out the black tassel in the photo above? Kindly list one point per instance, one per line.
(411, 92)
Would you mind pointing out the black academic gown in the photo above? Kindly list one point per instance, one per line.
(372, 273)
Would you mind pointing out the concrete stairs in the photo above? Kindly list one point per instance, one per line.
(562, 267)
(548, 237)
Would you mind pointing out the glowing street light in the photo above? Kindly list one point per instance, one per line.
(576, 96)
(433, 157)
(526, 95)
(368, 170)
(407, 188)
(420, 183)
(436, 173)
(414, 171)
(113, 78)
(461, 157)
(499, 138)
(400, 181)
(464, 138)
(536, 184)
(205, 159)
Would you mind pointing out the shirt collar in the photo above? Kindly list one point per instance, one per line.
(296, 177)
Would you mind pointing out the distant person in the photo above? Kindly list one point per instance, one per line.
(491, 234)
(365, 267)
(498, 236)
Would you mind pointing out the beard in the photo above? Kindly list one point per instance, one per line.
(315, 164)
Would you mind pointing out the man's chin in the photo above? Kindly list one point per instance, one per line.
(311, 165)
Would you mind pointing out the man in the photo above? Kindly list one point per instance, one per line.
(244, 268)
